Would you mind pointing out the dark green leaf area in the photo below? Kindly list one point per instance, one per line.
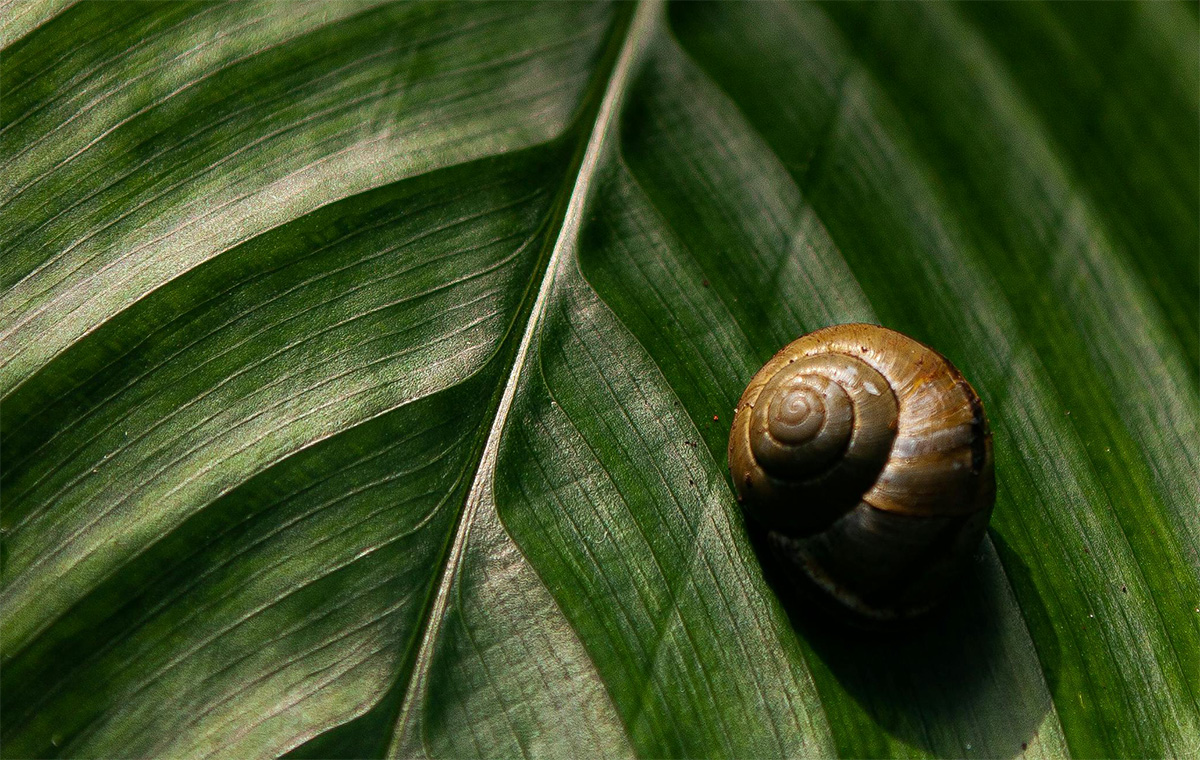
(705, 246)
(948, 198)
(681, 258)
(287, 342)
(1056, 250)
(351, 409)
(632, 530)
(1115, 87)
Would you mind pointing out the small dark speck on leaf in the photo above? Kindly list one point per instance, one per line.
(1024, 746)
(704, 283)
(1124, 589)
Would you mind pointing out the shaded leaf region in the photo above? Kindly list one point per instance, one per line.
(367, 372)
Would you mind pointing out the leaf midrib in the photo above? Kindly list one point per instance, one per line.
(590, 125)
(628, 39)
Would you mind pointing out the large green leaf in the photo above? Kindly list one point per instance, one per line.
(367, 372)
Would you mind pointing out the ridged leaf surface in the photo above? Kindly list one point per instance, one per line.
(367, 372)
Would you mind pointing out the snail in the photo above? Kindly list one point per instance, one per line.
(866, 459)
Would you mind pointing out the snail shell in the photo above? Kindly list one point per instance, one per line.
(867, 459)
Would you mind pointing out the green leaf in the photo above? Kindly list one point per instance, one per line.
(367, 372)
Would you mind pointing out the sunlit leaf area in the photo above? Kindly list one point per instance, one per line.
(367, 371)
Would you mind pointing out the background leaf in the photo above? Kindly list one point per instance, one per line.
(367, 372)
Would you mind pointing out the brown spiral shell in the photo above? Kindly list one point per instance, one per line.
(867, 458)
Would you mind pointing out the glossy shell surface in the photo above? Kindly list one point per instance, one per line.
(867, 457)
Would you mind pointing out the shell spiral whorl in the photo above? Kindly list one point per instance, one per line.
(867, 458)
